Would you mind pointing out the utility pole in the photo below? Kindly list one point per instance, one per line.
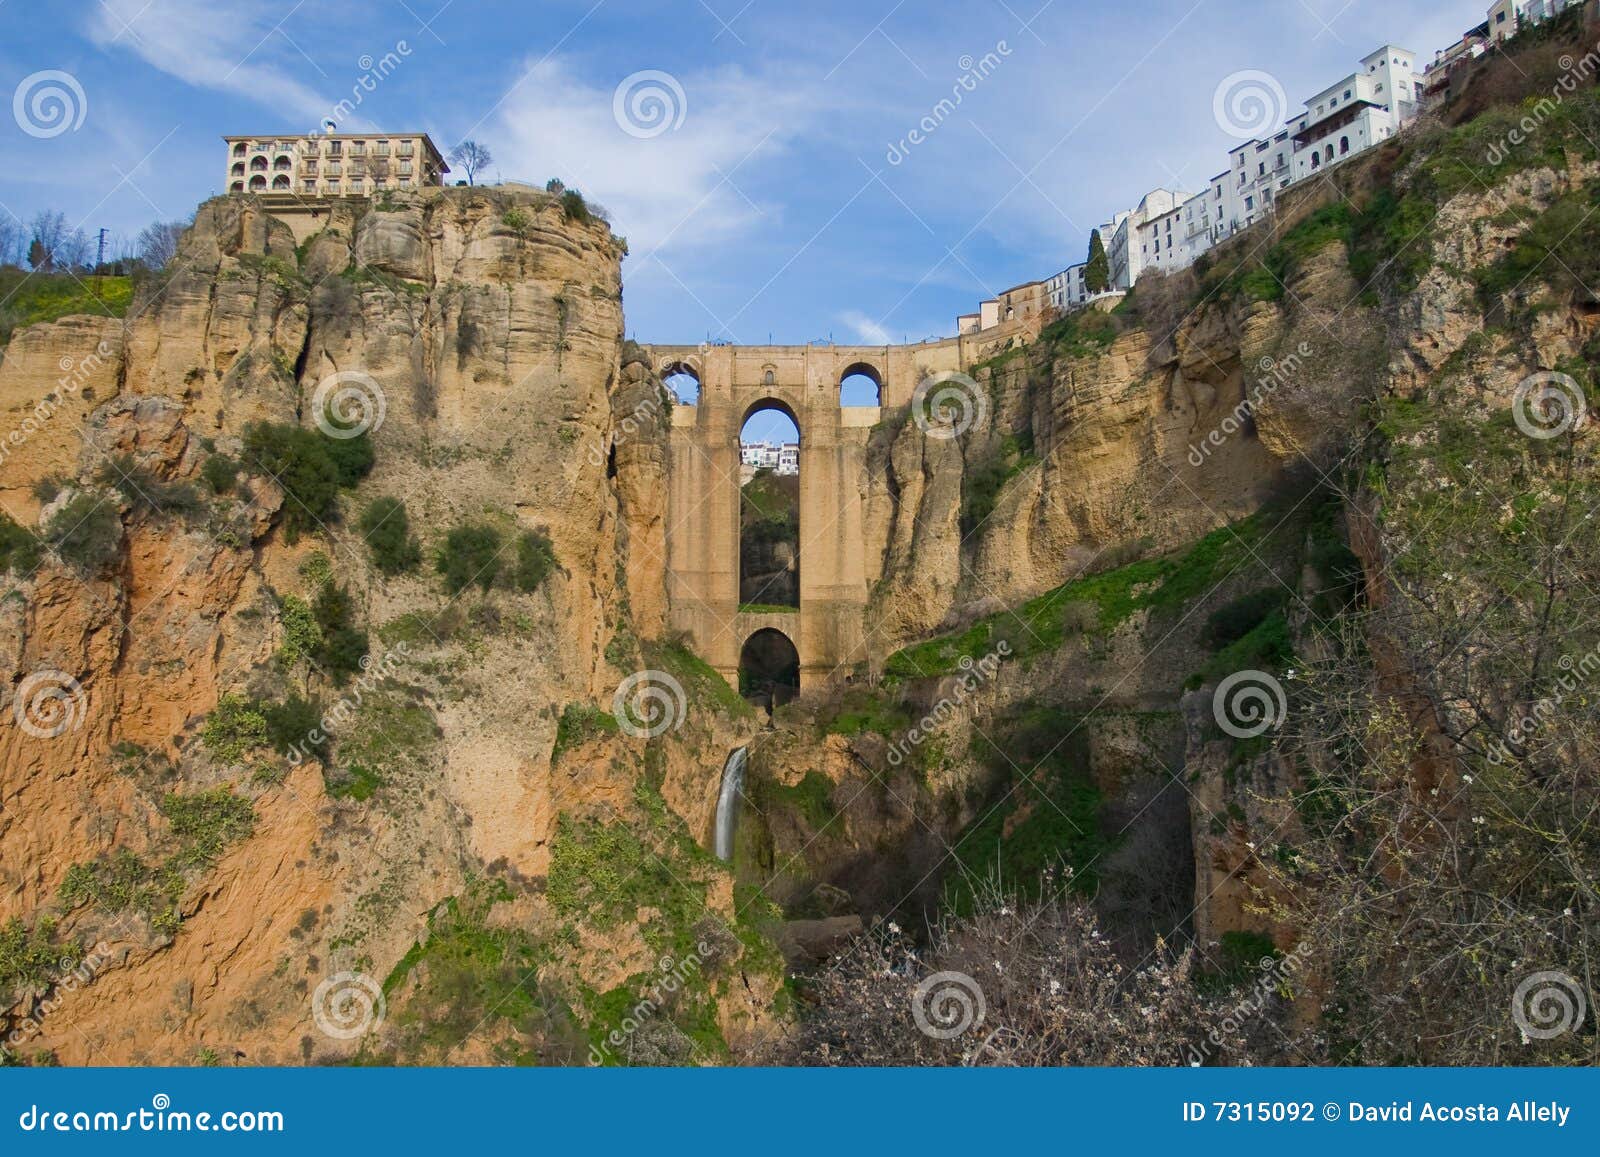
(100, 252)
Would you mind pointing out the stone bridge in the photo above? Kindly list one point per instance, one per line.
(829, 629)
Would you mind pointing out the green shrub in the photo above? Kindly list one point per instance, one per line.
(145, 491)
(19, 550)
(387, 529)
(205, 823)
(1232, 622)
(302, 636)
(220, 472)
(234, 729)
(470, 554)
(579, 723)
(86, 532)
(535, 559)
(120, 882)
(310, 467)
(574, 207)
(343, 646)
(31, 956)
(357, 782)
(290, 724)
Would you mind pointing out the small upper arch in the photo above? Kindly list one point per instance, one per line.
(861, 384)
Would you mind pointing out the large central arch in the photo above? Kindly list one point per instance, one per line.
(770, 532)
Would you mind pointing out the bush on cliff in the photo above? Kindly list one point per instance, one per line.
(387, 529)
(310, 467)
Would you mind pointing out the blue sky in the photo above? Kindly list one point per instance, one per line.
(767, 206)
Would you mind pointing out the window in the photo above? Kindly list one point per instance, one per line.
(358, 148)
(1249, 204)
(238, 168)
(309, 186)
(238, 149)
(1344, 145)
(335, 148)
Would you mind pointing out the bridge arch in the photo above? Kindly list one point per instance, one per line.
(769, 667)
(683, 379)
(861, 384)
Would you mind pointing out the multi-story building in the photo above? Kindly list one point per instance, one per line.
(333, 164)
(1436, 77)
(1362, 110)
(1122, 249)
(1066, 289)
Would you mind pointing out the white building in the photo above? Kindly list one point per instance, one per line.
(1066, 289)
(1362, 110)
(784, 458)
(1122, 247)
(1172, 240)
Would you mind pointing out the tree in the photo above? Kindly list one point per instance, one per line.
(158, 242)
(55, 245)
(471, 156)
(12, 236)
(1097, 274)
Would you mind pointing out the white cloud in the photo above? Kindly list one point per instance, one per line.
(684, 187)
(202, 43)
(869, 331)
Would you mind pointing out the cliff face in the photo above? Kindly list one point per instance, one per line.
(477, 338)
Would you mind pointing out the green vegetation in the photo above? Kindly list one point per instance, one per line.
(766, 609)
(475, 974)
(31, 298)
(291, 724)
(1097, 273)
(20, 551)
(220, 473)
(470, 554)
(234, 729)
(579, 723)
(536, 558)
(202, 825)
(146, 492)
(811, 798)
(311, 467)
(343, 646)
(302, 637)
(1082, 334)
(986, 476)
(33, 956)
(702, 686)
(1044, 820)
(574, 207)
(387, 530)
(86, 532)
(1040, 625)
(1557, 250)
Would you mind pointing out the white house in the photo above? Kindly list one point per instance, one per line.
(1362, 110)
(1123, 247)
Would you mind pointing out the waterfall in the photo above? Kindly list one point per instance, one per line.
(728, 803)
